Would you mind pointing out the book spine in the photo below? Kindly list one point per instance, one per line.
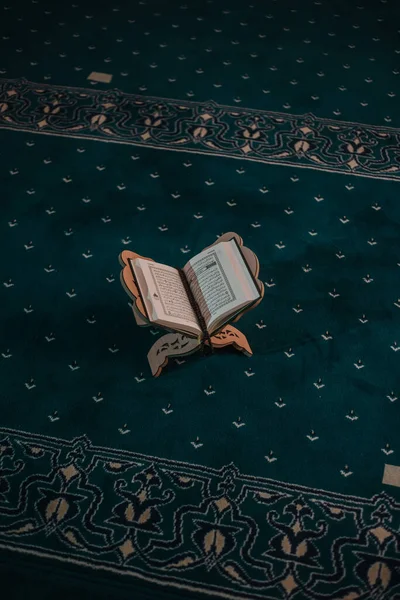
(205, 336)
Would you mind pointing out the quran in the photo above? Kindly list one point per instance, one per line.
(210, 290)
(196, 303)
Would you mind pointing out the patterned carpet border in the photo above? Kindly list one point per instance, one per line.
(303, 141)
(191, 527)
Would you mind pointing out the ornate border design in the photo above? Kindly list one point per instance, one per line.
(303, 141)
(191, 527)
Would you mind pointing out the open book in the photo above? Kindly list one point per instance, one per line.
(198, 300)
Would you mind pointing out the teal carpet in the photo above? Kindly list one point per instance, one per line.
(220, 117)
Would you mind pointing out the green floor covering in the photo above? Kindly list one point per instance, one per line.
(220, 117)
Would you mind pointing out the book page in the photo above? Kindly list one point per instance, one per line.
(164, 295)
(220, 282)
(209, 284)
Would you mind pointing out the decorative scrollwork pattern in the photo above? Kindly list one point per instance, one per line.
(199, 528)
(201, 127)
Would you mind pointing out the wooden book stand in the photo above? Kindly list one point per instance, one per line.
(178, 344)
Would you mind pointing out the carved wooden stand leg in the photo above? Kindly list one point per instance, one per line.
(177, 344)
(231, 336)
(172, 344)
